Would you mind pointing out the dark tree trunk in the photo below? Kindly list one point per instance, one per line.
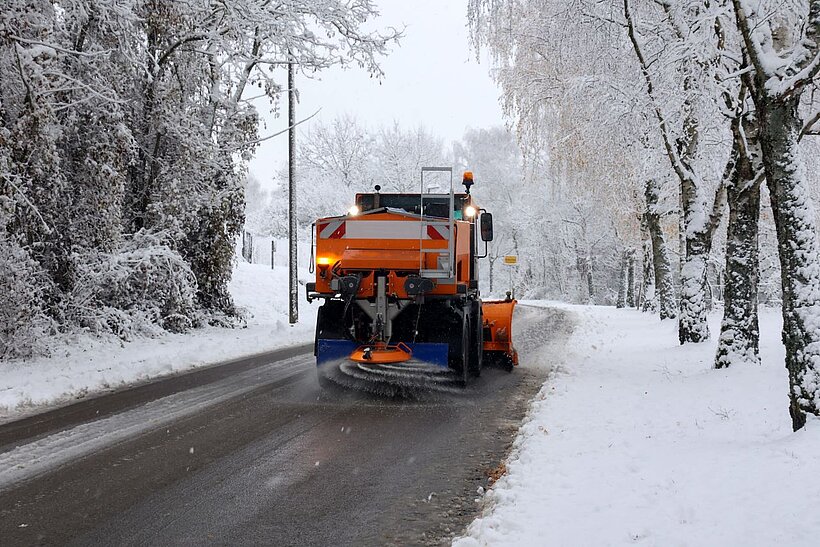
(649, 298)
(630, 278)
(692, 326)
(739, 330)
(623, 279)
(780, 127)
(583, 264)
(660, 255)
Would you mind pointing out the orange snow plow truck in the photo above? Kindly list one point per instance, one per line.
(399, 278)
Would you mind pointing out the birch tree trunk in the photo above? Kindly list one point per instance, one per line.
(630, 278)
(739, 330)
(623, 280)
(649, 302)
(776, 94)
(780, 127)
(692, 325)
(662, 265)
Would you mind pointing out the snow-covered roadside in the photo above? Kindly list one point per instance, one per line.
(86, 365)
(636, 440)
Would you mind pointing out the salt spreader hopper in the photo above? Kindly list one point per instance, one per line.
(399, 278)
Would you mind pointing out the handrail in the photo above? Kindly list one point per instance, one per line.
(450, 220)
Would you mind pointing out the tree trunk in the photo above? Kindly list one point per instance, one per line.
(682, 152)
(739, 330)
(586, 287)
(780, 127)
(692, 325)
(623, 280)
(649, 297)
(630, 278)
(660, 254)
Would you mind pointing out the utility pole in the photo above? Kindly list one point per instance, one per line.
(293, 315)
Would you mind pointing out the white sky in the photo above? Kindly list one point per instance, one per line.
(431, 78)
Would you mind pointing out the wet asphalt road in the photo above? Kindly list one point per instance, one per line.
(254, 453)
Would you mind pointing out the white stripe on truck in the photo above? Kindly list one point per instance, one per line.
(381, 229)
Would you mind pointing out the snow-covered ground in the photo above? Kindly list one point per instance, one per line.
(85, 365)
(632, 440)
(637, 440)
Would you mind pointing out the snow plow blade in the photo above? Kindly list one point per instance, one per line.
(498, 346)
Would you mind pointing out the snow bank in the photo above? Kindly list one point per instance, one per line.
(85, 364)
(635, 439)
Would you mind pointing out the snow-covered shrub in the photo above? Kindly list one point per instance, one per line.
(22, 282)
(140, 289)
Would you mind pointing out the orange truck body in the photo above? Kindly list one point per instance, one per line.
(391, 242)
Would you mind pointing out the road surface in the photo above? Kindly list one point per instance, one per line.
(253, 452)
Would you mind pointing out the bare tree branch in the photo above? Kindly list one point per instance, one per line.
(285, 130)
(58, 48)
(681, 170)
(808, 128)
(752, 49)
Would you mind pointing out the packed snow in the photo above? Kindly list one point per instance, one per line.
(83, 365)
(637, 440)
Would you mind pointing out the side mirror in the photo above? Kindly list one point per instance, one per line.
(486, 227)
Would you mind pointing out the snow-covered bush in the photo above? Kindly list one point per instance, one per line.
(143, 287)
(22, 282)
(98, 140)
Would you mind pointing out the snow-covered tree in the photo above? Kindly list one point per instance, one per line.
(124, 124)
(781, 47)
(340, 151)
(399, 154)
(567, 91)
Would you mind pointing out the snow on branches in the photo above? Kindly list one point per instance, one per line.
(725, 91)
(122, 120)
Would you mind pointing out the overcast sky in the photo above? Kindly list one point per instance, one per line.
(430, 78)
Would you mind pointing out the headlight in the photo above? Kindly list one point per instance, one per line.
(470, 211)
(353, 211)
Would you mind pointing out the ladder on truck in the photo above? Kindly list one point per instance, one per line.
(445, 258)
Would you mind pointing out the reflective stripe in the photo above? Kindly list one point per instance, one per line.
(386, 229)
(380, 229)
(332, 230)
(435, 233)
